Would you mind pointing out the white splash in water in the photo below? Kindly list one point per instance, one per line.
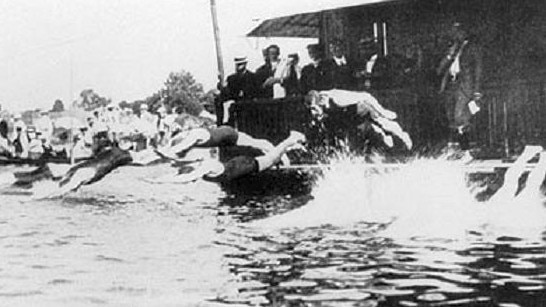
(424, 197)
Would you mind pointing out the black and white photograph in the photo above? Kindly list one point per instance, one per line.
(284, 153)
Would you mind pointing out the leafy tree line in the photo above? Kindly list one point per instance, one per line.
(180, 93)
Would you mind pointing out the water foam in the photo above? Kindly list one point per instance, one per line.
(424, 197)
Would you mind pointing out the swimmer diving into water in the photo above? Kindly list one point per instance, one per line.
(83, 173)
(239, 166)
(367, 107)
(211, 137)
(112, 157)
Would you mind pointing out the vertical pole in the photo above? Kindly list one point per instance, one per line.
(217, 41)
(71, 97)
(385, 50)
(505, 128)
(218, 104)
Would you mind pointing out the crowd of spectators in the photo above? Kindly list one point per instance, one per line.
(450, 78)
(74, 137)
(280, 77)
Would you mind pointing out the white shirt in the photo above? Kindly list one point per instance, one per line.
(340, 61)
(371, 63)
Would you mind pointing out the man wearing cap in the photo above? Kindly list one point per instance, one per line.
(241, 85)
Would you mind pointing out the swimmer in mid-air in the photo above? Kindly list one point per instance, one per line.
(83, 173)
(221, 136)
(367, 107)
(239, 166)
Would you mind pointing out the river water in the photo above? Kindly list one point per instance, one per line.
(348, 237)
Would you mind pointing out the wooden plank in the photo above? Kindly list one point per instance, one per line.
(475, 167)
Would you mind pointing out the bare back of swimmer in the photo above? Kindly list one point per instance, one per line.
(237, 167)
(367, 107)
(221, 136)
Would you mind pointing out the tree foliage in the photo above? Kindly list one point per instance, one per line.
(58, 106)
(180, 92)
(91, 100)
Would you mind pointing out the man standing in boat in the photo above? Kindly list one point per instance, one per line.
(460, 70)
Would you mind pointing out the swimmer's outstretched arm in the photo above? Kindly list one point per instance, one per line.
(244, 139)
(144, 157)
(274, 156)
(183, 142)
(67, 184)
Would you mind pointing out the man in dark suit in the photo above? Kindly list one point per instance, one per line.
(460, 71)
(374, 69)
(242, 84)
(340, 68)
(314, 75)
(265, 74)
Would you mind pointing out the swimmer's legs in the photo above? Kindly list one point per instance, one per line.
(274, 156)
(514, 172)
(394, 128)
(370, 102)
(535, 179)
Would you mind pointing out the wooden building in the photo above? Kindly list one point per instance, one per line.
(512, 35)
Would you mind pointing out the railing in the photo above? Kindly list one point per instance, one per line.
(271, 119)
(512, 116)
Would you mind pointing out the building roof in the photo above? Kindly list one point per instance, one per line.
(299, 25)
(305, 24)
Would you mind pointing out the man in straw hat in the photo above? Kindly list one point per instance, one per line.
(241, 85)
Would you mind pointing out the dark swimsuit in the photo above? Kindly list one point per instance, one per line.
(235, 168)
(221, 137)
(103, 163)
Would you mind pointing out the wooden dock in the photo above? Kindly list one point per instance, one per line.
(483, 166)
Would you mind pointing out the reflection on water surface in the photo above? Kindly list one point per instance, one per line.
(284, 239)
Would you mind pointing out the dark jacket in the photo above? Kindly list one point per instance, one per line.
(340, 76)
(468, 80)
(315, 78)
(262, 73)
(240, 86)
